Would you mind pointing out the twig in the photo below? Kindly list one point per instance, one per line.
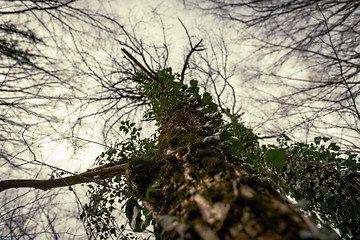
(339, 62)
(90, 175)
(134, 60)
(187, 33)
(3, 82)
(186, 63)
(195, 48)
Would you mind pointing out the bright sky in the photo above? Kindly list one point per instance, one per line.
(130, 13)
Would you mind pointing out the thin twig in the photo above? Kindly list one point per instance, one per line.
(81, 175)
(196, 48)
(136, 62)
(187, 32)
(192, 49)
(339, 62)
(3, 82)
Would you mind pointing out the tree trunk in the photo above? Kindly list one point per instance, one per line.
(202, 194)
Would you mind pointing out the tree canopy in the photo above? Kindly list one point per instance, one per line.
(310, 48)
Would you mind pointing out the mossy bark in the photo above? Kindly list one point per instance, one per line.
(202, 195)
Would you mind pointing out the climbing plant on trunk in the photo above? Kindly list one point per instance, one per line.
(193, 178)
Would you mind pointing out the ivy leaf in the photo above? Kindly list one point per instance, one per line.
(152, 189)
(317, 140)
(276, 157)
(194, 87)
(134, 212)
(129, 210)
(226, 135)
(193, 83)
(207, 98)
(334, 147)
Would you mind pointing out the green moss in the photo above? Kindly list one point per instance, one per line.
(193, 212)
(182, 121)
(190, 138)
(144, 172)
(182, 150)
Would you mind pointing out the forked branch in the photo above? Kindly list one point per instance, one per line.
(197, 48)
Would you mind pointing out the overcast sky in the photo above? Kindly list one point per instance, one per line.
(145, 19)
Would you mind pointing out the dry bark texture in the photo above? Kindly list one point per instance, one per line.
(202, 194)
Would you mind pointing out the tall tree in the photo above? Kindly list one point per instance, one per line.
(33, 82)
(197, 176)
(169, 162)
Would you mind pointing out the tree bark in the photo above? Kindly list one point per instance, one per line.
(203, 195)
(88, 176)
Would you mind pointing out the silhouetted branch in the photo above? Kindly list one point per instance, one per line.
(88, 176)
(102, 172)
(136, 62)
(196, 48)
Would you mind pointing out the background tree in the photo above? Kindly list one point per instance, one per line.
(317, 94)
(41, 92)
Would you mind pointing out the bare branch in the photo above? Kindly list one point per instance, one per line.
(36, 7)
(187, 33)
(198, 47)
(134, 60)
(88, 176)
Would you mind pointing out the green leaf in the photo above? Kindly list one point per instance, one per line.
(276, 157)
(129, 208)
(211, 107)
(226, 135)
(152, 189)
(148, 191)
(207, 98)
(317, 140)
(193, 83)
(134, 212)
(334, 147)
